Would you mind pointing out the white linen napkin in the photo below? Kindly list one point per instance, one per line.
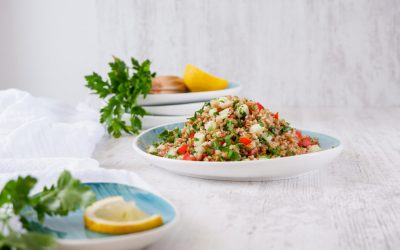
(33, 127)
(41, 137)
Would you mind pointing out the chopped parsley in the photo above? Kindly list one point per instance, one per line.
(274, 151)
(215, 145)
(285, 129)
(169, 135)
(233, 155)
(273, 130)
(229, 126)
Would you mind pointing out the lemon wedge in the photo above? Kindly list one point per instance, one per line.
(197, 80)
(114, 215)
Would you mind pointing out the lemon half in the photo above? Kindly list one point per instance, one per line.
(197, 80)
(114, 215)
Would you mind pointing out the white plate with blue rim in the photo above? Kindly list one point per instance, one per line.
(163, 99)
(256, 170)
(71, 233)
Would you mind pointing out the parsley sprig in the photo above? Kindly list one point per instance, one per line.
(16, 203)
(121, 91)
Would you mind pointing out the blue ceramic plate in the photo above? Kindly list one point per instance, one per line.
(266, 169)
(71, 232)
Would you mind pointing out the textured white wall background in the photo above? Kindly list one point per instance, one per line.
(285, 53)
(47, 46)
(343, 52)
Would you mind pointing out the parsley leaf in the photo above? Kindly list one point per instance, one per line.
(16, 192)
(27, 241)
(68, 195)
(233, 155)
(167, 136)
(121, 91)
(229, 126)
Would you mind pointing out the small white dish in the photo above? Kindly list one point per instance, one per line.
(268, 169)
(186, 109)
(162, 99)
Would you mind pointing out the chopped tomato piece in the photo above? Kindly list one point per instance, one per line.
(183, 149)
(305, 142)
(299, 134)
(259, 106)
(191, 136)
(276, 115)
(244, 140)
(189, 157)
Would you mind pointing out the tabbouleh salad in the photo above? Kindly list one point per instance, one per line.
(230, 128)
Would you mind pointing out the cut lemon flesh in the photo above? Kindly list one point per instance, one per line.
(114, 215)
(197, 80)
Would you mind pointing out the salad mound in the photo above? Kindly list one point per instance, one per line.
(230, 128)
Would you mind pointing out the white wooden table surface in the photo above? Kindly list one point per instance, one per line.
(353, 203)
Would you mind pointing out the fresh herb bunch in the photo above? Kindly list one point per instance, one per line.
(121, 92)
(16, 203)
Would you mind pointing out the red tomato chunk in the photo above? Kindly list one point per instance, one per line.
(244, 141)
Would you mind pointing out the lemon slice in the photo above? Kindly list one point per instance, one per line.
(113, 215)
(197, 80)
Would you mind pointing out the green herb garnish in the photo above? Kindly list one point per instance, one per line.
(167, 136)
(215, 145)
(233, 155)
(273, 130)
(274, 151)
(68, 195)
(285, 129)
(229, 126)
(227, 140)
(121, 91)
